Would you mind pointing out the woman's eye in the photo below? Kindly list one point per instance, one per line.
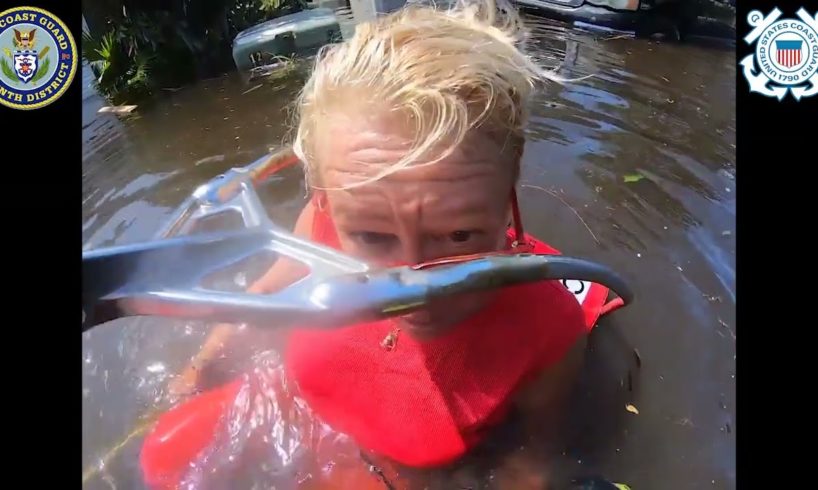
(372, 238)
(460, 236)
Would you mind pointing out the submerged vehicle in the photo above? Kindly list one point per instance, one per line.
(677, 19)
(277, 40)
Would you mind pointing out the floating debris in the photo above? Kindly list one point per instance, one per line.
(726, 174)
(632, 178)
(251, 89)
(723, 324)
(632, 409)
(554, 194)
(119, 109)
(210, 159)
(621, 36)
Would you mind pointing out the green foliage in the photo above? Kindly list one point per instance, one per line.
(149, 44)
(120, 69)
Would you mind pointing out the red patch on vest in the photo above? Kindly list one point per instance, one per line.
(426, 403)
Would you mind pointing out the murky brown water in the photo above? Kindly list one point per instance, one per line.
(663, 111)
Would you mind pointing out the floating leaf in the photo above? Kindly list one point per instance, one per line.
(622, 486)
(632, 409)
(633, 178)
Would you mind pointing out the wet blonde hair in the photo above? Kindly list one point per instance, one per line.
(449, 70)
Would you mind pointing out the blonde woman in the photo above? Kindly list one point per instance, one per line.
(411, 134)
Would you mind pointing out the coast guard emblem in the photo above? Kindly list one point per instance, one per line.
(786, 54)
(38, 58)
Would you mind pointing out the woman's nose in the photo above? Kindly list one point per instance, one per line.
(418, 251)
(408, 255)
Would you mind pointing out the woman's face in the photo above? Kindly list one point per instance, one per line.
(459, 205)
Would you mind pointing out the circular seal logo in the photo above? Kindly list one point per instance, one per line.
(38, 58)
(787, 52)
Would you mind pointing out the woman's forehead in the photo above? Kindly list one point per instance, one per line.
(353, 150)
(446, 190)
(430, 199)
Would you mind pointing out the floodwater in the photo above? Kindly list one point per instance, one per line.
(634, 167)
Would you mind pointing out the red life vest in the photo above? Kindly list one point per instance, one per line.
(421, 403)
(426, 403)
